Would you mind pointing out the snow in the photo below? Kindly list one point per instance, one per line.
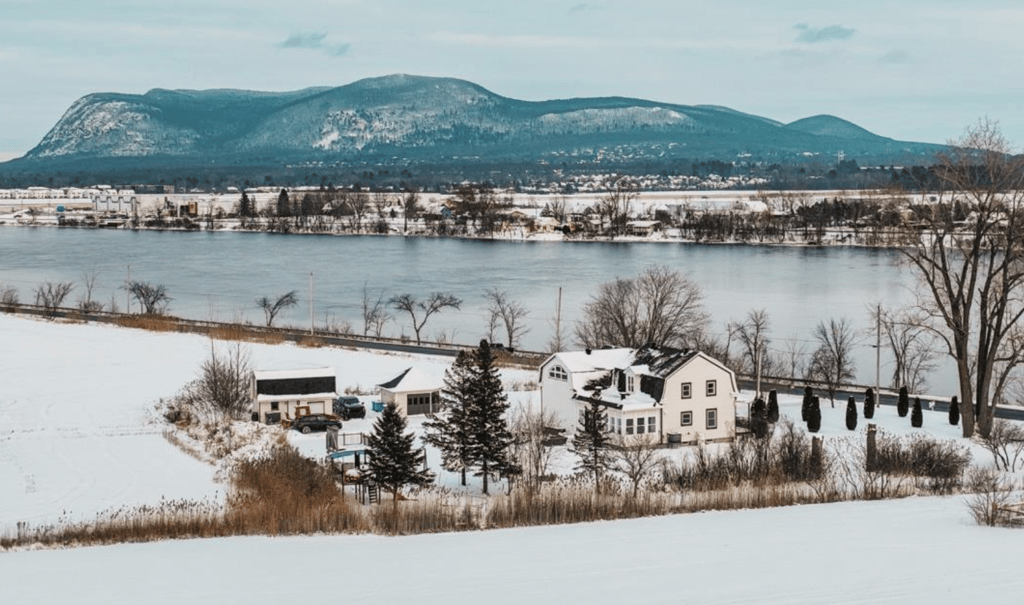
(78, 431)
(917, 550)
(78, 435)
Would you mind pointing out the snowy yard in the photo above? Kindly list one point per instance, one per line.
(78, 436)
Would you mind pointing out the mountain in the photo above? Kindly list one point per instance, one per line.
(412, 119)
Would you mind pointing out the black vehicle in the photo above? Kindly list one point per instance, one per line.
(349, 408)
(315, 422)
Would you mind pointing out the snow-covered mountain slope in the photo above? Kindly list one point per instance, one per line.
(416, 115)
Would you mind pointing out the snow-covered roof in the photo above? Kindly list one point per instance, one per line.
(413, 379)
(262, 397)
(296, 373)
(576, 362)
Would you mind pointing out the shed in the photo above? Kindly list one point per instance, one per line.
(287, 394)
(413, 392)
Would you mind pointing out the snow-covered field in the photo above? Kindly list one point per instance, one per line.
(78, 435)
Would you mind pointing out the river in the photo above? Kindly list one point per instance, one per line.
(219, 275)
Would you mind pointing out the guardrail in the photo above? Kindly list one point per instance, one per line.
(170, 323)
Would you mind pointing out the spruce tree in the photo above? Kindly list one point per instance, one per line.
(916, 416)
(773, 406)
(449, 430)
(806, 406)
(759, 418)
(903, 403)
(591, 442)
(814, 415)
(851, 414)
(869, 403)
(954, 411)
(394, 462)
(490, 438)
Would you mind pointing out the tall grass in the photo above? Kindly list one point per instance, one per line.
(285, 493)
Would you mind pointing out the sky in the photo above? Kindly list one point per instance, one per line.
(918, 70)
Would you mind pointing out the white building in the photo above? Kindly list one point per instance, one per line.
(676, 395)
(287, 394)
(413, 392)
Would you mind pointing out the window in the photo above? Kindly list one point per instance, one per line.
(558, 373)
(687, 390)
(711, 389)
(712, 418)
(650, 424)
(640, 426)
(686, 418)
(629, 384)
(629, 426)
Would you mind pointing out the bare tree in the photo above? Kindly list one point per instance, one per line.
(51, 295)
(410, 208)
(617, 204)
(87, 304)
(530, 447)
(221, 391)
(911, 343)
(375, 312)
(752, 334)
(660, 306)
(8, 296)
(420, 310)
(972, 272)
(795, 355)
(832, 362)
(508, 313)
(152, 298)
(271, 308)
(635, 457)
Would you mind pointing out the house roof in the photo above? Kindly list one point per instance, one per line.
(296, 373)
(412, 379)
(594, 360)
(662, 361)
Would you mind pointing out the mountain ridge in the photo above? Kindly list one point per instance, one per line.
(414, 118)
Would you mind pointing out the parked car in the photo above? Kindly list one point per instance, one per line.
(349, 408)
(315, 422)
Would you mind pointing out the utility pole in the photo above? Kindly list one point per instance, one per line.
(558, 319)
(310, 303)
(878, 348)
(128, 292)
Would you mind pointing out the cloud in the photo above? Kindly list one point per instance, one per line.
(315, 41)
(582, 7)
(812, 35)
(896, 55)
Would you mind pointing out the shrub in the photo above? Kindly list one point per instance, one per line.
(851, 414)
(916, 417)
(773, 406)
(759, 418)
(869, 403)
(903, 403)
(814, 415)
(989, 504)
(954, 411)
(805, 407)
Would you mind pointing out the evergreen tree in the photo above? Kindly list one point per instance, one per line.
(490, 439)
(773, 406)
(916, 416)
(759, 418)
(903, 404)
(954, 411)
(806, 406)
(284, 207)
(449, 431)
(851, 414)
(394, 462)
(814, 415)
(591, 441)
(869, 403)
(244, 206)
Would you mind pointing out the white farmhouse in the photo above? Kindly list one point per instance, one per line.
(676, 395)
